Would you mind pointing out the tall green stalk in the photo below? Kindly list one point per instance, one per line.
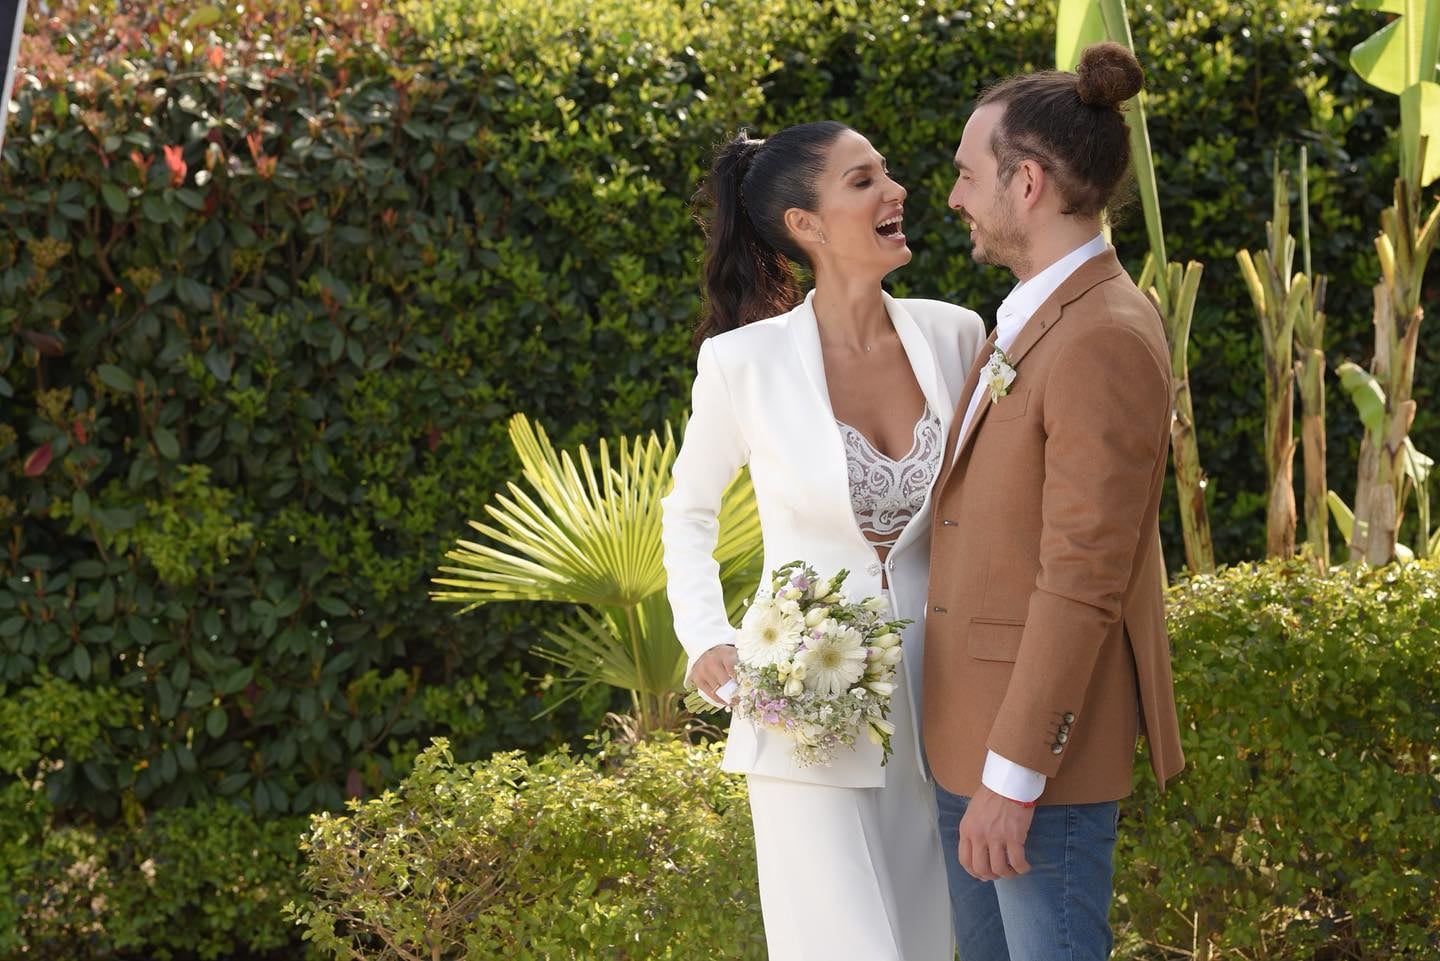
(1401, 58)
(1279, 297)
(1172, 289)
(1310, 369)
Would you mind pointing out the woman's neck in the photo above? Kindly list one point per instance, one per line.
(850, 312)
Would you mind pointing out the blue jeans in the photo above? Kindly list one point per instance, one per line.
(1059, 910)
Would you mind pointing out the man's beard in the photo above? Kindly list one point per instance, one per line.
(1006, 244)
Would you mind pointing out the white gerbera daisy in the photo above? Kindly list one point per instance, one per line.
(834, 661)
(769, 634)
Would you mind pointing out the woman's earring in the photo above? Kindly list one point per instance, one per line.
(822, 240)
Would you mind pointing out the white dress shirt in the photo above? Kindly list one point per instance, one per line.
(1002, 775)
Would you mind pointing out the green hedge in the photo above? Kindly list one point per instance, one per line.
(643, 853)
(1305, 823)
(1303, 827)
(204, 881)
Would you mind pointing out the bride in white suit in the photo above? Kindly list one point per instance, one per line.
(840, 402)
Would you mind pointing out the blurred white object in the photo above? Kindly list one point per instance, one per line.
(12, 24)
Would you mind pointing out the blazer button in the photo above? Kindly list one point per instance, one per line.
(1069, 718)
(946, 522)
(1056, 748)
(1062, 737)
(938, 610)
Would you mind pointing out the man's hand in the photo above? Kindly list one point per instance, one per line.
(992, 836)
(713, 669)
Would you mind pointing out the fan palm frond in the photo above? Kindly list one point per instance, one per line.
(583, 532)
(586, 531)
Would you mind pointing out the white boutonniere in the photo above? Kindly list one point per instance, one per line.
(997, 375)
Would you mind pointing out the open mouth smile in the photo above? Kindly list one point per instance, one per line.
(890, 228)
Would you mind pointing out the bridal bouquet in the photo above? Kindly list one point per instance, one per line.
(814, 666)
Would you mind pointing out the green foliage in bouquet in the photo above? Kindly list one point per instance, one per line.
(1304, 825)
(637, 856)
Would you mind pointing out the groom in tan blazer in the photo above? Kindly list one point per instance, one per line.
(1045, 647)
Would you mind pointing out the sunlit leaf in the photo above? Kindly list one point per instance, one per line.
(1079, 23)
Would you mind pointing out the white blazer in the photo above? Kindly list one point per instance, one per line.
(760, 398)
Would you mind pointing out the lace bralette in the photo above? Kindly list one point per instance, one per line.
(884, 493)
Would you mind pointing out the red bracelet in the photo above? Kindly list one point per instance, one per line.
(1023, 804)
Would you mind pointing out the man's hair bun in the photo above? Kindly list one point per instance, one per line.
(1108, 75)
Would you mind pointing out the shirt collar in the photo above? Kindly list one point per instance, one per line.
(1027, 296)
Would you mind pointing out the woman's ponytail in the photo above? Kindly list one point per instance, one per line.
(746, 278)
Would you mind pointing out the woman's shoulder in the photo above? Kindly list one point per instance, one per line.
(757, 338)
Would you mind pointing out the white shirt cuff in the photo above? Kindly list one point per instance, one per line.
(1010, 780)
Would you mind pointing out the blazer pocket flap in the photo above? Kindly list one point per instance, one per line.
(1010, 406)
(995, 640)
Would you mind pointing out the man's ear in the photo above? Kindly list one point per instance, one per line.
(1031, 180)
(804, 226)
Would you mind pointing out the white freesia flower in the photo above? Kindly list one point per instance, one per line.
(883, 688)
(768, 634)
(816, 616)
(883, 641)
(794, 688)
(886, 727)
(892, 656)
(834, 662)
(997, 375)
(876, 605)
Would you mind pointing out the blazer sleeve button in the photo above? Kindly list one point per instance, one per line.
(1069, 718)
(1056, 748)
(1062, 737)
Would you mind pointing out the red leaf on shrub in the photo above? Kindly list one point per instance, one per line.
(174, 159)
(216, 56)
(434, 438)
(250, 695)
(388, 219)
(81, 435)
(143, 163)
(47, 344)
(212, 203)
(353, 784)
(255, 140)
(36, 463)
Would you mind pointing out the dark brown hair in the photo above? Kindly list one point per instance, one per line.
(748, 250)
(1071, 124)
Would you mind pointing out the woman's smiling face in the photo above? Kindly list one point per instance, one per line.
(859, 213)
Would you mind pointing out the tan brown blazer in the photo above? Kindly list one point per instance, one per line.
(1045, 625)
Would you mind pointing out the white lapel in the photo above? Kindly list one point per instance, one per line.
(833, 469)
(925, 366)
(922, 361)
(828, 469)
(805, 332)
